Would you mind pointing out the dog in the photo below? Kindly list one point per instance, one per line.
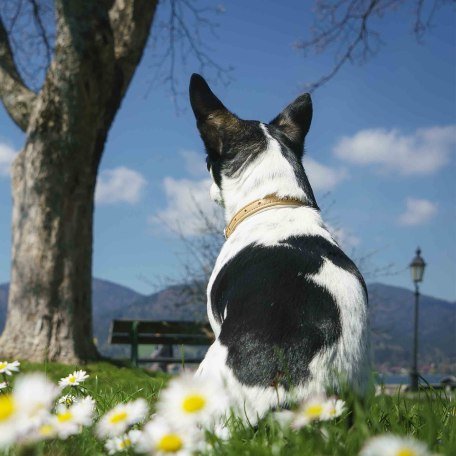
(287, 306)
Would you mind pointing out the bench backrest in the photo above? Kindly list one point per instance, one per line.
(160, 332)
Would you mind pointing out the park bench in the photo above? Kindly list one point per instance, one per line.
(167, 333)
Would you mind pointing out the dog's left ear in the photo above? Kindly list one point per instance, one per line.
(295, 119)
(213, 120)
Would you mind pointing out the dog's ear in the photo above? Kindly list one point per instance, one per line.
(295, 119)
(212, 118)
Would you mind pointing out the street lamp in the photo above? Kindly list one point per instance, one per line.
(417, 267)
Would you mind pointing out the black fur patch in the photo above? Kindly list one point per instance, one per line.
(277, 318)
(239, 148)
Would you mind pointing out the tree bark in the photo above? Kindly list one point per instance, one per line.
(98, 47)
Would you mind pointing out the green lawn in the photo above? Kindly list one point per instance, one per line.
(429, 417)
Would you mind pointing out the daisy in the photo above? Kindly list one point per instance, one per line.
(74, 379)
(68, 400)
(313, 409)
(26, 408)
(70, 420)
(393, 445)
(44, 431)
(333, 408)
(8, 415)
(117, 420)
(34, 395)
(8, 368)
(192, 400)
(125, 441)
(160, 438)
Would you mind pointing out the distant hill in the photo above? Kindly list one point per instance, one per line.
(391, 321)
(390, 308)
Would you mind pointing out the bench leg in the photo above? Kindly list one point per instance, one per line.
(134, 344)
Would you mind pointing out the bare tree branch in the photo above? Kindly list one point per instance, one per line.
(179, 40)
(17, 98)
(345, 28)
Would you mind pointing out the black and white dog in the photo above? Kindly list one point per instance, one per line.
(287, 306)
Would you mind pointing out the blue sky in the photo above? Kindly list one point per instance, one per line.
(382, 143)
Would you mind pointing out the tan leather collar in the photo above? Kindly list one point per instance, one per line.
(257, 206)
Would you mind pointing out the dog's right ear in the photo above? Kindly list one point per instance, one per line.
(213, 120)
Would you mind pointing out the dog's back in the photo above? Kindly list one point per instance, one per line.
(277, 310)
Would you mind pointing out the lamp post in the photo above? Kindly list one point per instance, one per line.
(417, 270)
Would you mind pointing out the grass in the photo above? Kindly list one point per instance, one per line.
(428, 416)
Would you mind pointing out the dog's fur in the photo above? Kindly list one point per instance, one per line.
(287, 306)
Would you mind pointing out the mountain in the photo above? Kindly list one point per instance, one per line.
(391, 321)
(390, 308)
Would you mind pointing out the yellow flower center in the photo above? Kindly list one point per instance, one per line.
(71, 379)
(63, 417)
(118, 417)
(3, 364)
(170, 443)
(7, 407)
(405, 452)
(193, 403)
(314, 411)
(125, 443)
(46, 430)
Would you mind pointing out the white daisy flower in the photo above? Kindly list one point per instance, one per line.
(117, 420)
(8, 416)
(26, 407)
(192, 400)
(160, 438)
(46, 430)
(3, 385)
(122, 443)
(333, 408)
(68, 399)
(312, 409)
(74, 379)
(35, 396)
(8, 368)
(393, 445)
(70, 420)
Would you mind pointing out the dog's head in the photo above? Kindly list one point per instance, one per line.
(233, 143)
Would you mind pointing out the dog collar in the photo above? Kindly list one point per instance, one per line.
(258, 205)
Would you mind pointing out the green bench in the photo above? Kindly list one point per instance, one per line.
(168, 333)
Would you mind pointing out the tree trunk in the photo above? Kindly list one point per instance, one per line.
(49, 309)
(98, 47)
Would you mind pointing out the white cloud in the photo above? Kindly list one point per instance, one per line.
(7, 155)
(417, 212)
(195, 163)
(119, 185)
(187, 200)
(322, 177)
(423, 152)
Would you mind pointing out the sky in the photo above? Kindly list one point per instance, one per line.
(380, 153)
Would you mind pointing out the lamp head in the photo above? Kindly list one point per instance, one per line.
(417, 267)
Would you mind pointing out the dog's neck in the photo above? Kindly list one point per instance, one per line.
(269, 174)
